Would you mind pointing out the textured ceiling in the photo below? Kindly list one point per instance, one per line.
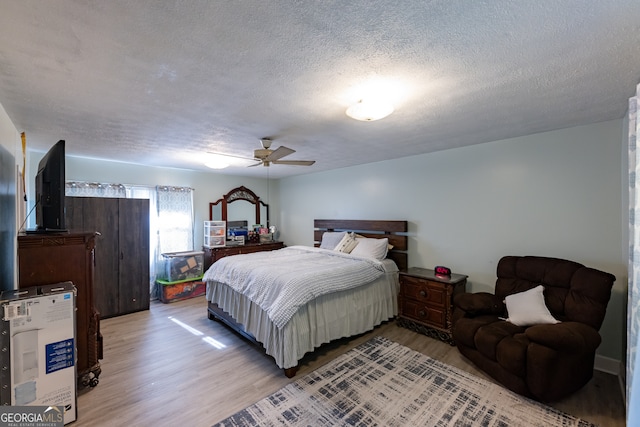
(164, 82)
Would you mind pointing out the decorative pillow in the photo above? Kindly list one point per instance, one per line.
(347, 244)
(371, 248)
(330, 239)
(528, 308)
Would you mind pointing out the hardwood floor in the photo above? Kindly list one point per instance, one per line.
(158, 372)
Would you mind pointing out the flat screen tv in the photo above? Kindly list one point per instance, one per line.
(50, 180)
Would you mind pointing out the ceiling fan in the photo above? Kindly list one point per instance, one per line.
(266, 156)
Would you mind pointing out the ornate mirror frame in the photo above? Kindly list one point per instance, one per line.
(239, 193)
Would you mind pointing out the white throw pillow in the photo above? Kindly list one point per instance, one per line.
(528, 308)
(330, 239)
(347, 244)
(371, 248)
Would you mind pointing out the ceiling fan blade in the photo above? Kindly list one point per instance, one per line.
(294, 162)
(279, 153)
(215, 153)
(258, 163)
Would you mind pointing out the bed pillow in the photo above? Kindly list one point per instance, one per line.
(371, 248)
(528, 308)
(359, 236)
(330, 239)
(347, 244)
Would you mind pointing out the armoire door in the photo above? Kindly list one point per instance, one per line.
(99, 214)
(133, 235)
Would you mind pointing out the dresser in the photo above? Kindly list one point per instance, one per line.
(211, 255)
(52, 258)
(426, 301)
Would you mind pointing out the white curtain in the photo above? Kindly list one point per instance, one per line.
(94, 189)
(633, 307)
(175, 218)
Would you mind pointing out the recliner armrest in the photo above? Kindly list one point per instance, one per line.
(565, 336)
(475, 304)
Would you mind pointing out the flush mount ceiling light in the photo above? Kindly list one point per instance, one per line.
(368, 111)
(216, 161)
(374, 97)
(216, 164)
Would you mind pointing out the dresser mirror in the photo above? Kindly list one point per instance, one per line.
(240, 204)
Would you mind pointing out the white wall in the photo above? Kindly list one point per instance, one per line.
(551, 194)
(9, 136)
(10, 142)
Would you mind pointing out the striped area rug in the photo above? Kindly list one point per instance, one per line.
(382, 383)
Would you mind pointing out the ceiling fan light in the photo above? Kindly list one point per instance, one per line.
(369, 111)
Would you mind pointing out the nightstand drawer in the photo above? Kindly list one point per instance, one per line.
(422, 313)
(424, 291)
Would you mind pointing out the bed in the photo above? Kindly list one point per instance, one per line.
(329, 293)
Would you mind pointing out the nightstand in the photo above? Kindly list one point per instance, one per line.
(426, 301)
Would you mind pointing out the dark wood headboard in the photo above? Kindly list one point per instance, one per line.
(369, 228)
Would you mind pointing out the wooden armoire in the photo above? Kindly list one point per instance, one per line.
(122, 251)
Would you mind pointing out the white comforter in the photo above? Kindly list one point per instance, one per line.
(283, 280)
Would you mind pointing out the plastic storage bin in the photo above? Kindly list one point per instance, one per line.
(183, 265)
(178, 291)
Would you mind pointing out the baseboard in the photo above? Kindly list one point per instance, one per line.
(613, 367)
(608, 365)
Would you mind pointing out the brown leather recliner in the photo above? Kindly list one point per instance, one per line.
(542, 361)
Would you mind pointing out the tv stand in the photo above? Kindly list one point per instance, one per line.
(48, 257)
(45, 231)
